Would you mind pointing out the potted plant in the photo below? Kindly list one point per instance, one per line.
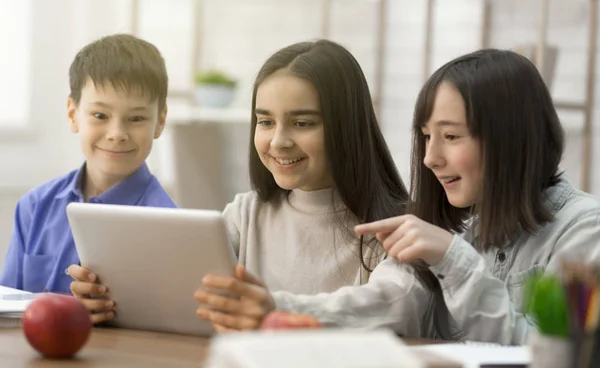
(214, 88)
(547, 304)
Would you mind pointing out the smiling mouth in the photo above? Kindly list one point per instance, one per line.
(115, 152)
(290, 161)
(450, 180)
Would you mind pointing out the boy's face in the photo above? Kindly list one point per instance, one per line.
(116, 128)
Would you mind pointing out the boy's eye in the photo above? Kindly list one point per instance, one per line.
(137, 118)
(427, 137)
(451, 137)
(100, 116)
(265, 122)
(303, 124)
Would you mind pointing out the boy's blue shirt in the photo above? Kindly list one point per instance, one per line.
(42, 247)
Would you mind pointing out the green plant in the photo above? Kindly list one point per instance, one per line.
(214, 77)
(546, 301)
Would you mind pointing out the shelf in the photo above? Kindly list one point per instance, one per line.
(190, 114)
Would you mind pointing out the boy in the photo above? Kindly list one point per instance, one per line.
(117, 106)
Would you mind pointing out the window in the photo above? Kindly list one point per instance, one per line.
(170, 27)
(15, 43)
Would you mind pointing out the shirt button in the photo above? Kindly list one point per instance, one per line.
(67, 271)
(440, 276)
(501, 257)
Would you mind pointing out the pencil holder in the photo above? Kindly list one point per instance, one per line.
(550, 352)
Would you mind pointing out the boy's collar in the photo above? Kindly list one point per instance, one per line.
(127, 192)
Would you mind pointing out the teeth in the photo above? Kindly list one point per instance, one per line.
(288, 162)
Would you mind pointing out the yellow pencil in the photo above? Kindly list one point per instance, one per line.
(593, 312)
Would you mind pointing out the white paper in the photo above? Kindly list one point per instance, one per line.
(311, 348)
(473, 355)
(6, 290)
(13, 306)
(10, 308)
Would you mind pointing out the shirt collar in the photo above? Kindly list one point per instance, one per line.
(74, 184)
(556, 195)
(127, 192)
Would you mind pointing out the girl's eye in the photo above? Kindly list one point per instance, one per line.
(451, 137)
(100, 116)
(427, 137)
(137, 118)
(303, 124)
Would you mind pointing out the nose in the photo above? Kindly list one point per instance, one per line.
(434, 157)
(117, 132)
(281, 138)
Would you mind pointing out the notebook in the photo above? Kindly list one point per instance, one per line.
(329, 348)
(13, 303)
(476, 355)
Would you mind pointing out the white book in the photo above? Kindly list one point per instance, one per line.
(327, 348)
(13, 303)
(474, 355)
(10, 291)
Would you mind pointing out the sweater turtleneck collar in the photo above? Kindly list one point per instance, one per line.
(316, 201)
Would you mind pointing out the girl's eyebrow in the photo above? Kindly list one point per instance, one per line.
(448, 123)
(442, 123)
(260, 111)
(304, 112)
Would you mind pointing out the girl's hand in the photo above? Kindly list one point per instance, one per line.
(408, 238)
(245, 307)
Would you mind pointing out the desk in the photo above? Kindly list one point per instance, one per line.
(125, 348)
(109, 347)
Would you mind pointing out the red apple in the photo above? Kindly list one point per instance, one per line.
(280, 320)
(57, 326)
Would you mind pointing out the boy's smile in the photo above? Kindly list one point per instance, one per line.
(116, 152)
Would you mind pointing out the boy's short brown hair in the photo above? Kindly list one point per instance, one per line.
(123, 60)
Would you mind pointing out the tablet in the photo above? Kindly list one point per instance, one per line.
(152, 260)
